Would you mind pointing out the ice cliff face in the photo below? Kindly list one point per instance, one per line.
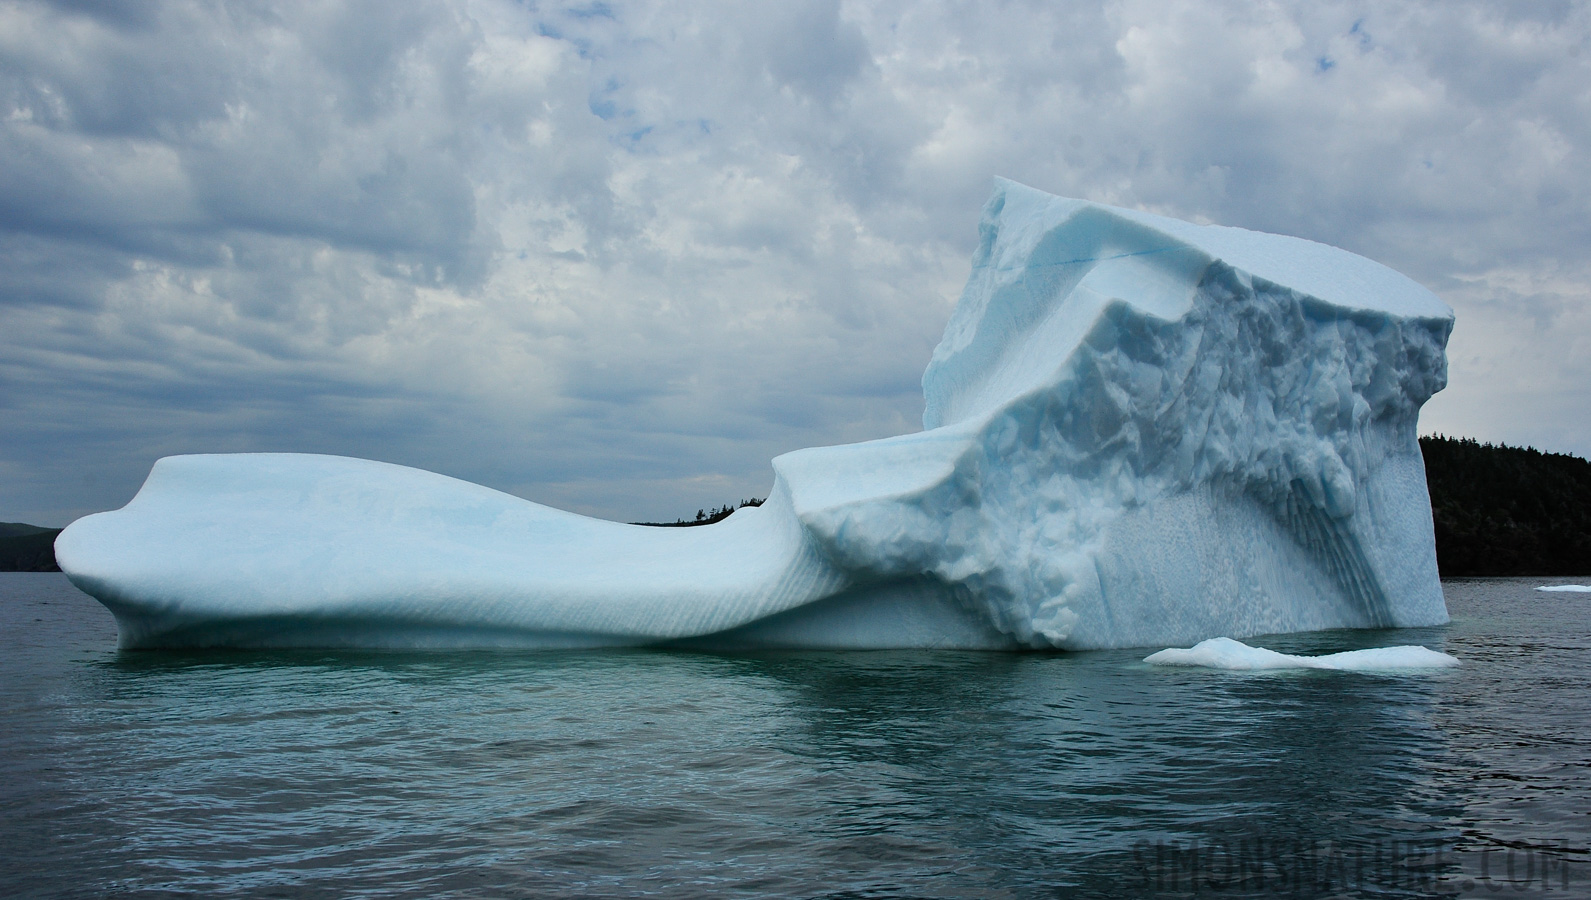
(1145, 431)
(1138, 431)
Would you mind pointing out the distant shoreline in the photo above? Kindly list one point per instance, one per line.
(27, 548)
(1497, 511)
(1501, 510)
(703, 516)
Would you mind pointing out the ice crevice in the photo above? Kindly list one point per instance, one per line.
(1137, 432)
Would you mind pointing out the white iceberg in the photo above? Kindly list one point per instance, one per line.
(1225, 653)
(1566, 588)
(1138, 432)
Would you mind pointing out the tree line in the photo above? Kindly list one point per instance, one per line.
(27, 548)
(704, 516)
(1501, 510)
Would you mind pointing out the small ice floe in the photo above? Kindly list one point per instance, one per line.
(1567, 588)
(1225, 653)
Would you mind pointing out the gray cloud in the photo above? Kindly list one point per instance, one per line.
(615, 256)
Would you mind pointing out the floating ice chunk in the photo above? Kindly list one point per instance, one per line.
(1137, 432)
(1225, 653)
(1567, 588)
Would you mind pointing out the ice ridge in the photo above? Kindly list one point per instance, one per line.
(1137, 431)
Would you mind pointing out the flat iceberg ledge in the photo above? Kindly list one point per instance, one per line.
(1225, 653)
(1566, 588)
(1137, 432)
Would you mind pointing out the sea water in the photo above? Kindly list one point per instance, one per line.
(862, 774)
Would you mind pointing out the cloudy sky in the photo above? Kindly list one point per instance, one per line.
(614, 257)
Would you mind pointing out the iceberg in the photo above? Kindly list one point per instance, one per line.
(1225, 653)
(1566, 588)
(1137, 432)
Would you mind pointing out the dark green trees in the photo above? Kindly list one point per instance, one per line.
(1503, 510)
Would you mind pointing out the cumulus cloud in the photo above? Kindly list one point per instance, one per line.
(615, 256)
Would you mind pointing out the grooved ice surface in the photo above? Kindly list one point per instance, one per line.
(1138, 432)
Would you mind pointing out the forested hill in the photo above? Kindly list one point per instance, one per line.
(27, 548)
(1504, 510)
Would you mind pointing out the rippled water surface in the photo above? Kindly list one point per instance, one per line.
(669, 774)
